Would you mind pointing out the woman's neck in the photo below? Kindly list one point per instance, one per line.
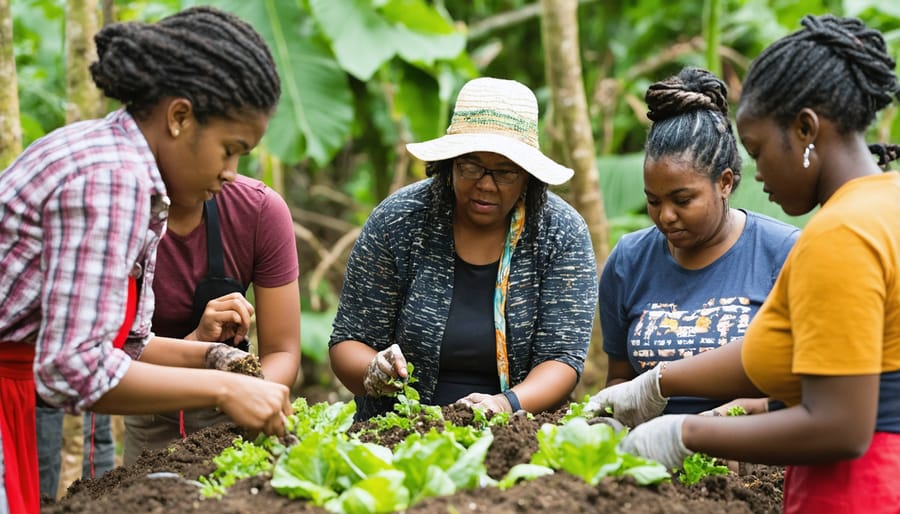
(478, 246)
(184, 220)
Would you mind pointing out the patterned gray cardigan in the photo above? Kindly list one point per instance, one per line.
(399, 284)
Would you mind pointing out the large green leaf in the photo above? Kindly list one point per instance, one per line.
(361, 38)
(316, 109)
(364, 39)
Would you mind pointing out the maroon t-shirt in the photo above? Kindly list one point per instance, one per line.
(259, 246)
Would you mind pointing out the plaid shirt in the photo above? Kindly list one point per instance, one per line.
(81, 211)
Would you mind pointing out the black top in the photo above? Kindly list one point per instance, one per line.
(468, 356)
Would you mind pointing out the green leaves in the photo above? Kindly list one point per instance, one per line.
(242, 460)
(316, 109)
(590, 452)
(699, 466)
(364, 39)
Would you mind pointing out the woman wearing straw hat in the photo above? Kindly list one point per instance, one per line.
(478, 275)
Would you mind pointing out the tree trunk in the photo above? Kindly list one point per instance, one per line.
(559, 31)
(10, 128)
(83, 99)
(109, 12)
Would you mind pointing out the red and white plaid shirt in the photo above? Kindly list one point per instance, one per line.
(81, 210)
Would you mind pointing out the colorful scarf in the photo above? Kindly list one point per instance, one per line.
(516, 226)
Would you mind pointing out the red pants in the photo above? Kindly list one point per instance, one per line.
(869, 484)
(17, 427)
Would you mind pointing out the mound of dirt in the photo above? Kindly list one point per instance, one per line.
(162, 481)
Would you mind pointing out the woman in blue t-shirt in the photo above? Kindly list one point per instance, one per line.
(693, 281)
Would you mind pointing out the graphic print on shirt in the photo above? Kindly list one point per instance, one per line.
(664, 332)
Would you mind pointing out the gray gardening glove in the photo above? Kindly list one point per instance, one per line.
(385, 368)
(659, 439)
(632, 402)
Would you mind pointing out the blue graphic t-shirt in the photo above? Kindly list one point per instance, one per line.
(653, 310)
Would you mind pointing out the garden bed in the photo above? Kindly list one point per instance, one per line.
(756, 489)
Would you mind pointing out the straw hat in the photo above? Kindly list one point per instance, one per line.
(499, 116)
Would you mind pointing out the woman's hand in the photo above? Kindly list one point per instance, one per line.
(257, 405)
(486, 402)
(659, 439)
(632, 402)
(383, 370)
(224, 318)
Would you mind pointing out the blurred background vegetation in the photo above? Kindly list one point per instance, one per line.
(363, 77)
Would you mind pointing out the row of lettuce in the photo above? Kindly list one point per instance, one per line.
(326, 465)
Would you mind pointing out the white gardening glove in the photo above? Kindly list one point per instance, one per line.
(658, 439)
(632, 402)
(385, 368)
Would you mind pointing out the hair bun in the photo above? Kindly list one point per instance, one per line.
(692, 89)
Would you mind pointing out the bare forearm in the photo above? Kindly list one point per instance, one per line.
(713, 374)
(166, 351)
(281, 367)
(835, 421)
(149, 388)
(349, 360)
(547, 386)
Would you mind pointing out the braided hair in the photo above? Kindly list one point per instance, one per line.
(443, 198)
(690, 119)
(210, 57)
(838, 67)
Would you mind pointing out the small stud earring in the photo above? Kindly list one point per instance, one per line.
(176, 132)
(810, 147)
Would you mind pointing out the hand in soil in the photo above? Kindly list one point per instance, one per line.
(227, 358)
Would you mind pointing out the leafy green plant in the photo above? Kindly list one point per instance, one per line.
(243, 459)
(737, 410)
(699, 466)
(586, 451)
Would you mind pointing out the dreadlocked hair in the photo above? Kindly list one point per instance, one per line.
(690, 120)
(837, 66)
(210, 57)
(443, 198)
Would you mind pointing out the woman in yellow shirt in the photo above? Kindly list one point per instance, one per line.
(827, 339)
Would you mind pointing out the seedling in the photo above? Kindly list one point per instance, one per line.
(737, 410)
(699, 466)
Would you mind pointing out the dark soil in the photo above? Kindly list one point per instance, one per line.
(161, 481)
(248, 365)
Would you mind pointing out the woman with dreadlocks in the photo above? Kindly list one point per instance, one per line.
(82, 211)
(827, 340)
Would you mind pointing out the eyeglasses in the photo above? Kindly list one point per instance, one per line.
(470, 170)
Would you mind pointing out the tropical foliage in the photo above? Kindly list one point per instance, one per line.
(363, 77)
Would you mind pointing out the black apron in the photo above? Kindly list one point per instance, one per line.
(215, 284)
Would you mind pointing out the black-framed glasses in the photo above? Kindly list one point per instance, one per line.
(471, 170)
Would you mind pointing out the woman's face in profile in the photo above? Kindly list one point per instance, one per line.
(778, 163)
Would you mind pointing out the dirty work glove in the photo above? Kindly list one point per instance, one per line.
(222, 357)
(386, 366)
(659, 439)
(632, 402)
